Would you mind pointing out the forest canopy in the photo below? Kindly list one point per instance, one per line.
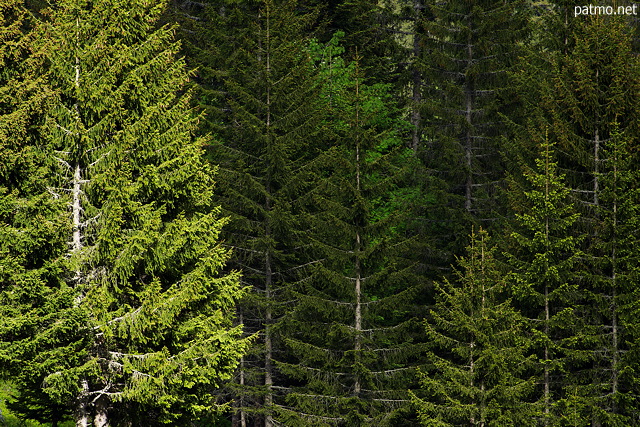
(305, 213)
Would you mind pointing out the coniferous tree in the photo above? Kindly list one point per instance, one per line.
(582, 89)
(468, 49)
(32, 240)
(256, 83)
(132, 321)
(478, 353)
(543, 253)
(351, 336)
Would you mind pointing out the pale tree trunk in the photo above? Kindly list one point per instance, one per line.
(416, 118)
(268, 344)
(268, 350)
(468, 144)
(101, 418)
(358, 313)
(358, 284)
(614, 293)
(76, 243)
(547, 310)
(239, 417)
(82, 409)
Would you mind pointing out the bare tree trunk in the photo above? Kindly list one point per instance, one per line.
(358, 284)
(76, 243)
(614, 293)
(268, 344)
(547, 310)
(416, 118)
(596, 167)
(101, 418)
(358, 313)
(468, 145)
(268, 350)
(82, 409)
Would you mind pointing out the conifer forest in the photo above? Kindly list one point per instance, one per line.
(266, 213)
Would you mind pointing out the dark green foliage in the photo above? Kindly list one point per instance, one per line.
(468, 48)
(257, 84)
(584, 100)
(478, 349)
(351, 336)
(355, 141)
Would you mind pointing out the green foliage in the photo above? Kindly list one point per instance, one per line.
(351, 336)
(467, 51)
(543, 253)
(476, 372)
(123, 308)
(580, 94)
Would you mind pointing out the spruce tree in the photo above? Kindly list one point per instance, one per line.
(32, 241)
(467, 52)
(351, 336)
(133, 319)
(543, 253)
(479, 345)
(257, 84)
(584, 96)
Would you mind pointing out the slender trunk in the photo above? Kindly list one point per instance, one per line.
(101, 418)
(76, 243)
(614, 293)
(268, 366)
(547, 398)
(472, 345)
(358, 313)
(482, 307)
(268, 345)
(358, 284)
(416, 118)
(468, 145)
(547, 311)
(596, 167)
(82, 409)
(238, 419)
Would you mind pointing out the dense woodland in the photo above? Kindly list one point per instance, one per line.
(319, 213)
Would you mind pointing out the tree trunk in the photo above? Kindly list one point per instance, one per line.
(82, 410)
(268, 368)
(101, 418)
(416, 118)
(468, 144)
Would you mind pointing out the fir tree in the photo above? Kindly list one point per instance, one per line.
(478, 353)
(351, 336)
(584, 96)
(31, 221)
(467, 52)
(137, 317)
(256, 82)
(543, 253)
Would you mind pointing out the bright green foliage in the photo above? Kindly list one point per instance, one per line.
(32, 239)
(543, 255)
(468, 49)
(132, 314)
(351, 337)
(478, 344)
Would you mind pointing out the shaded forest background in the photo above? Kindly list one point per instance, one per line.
(319, 213)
